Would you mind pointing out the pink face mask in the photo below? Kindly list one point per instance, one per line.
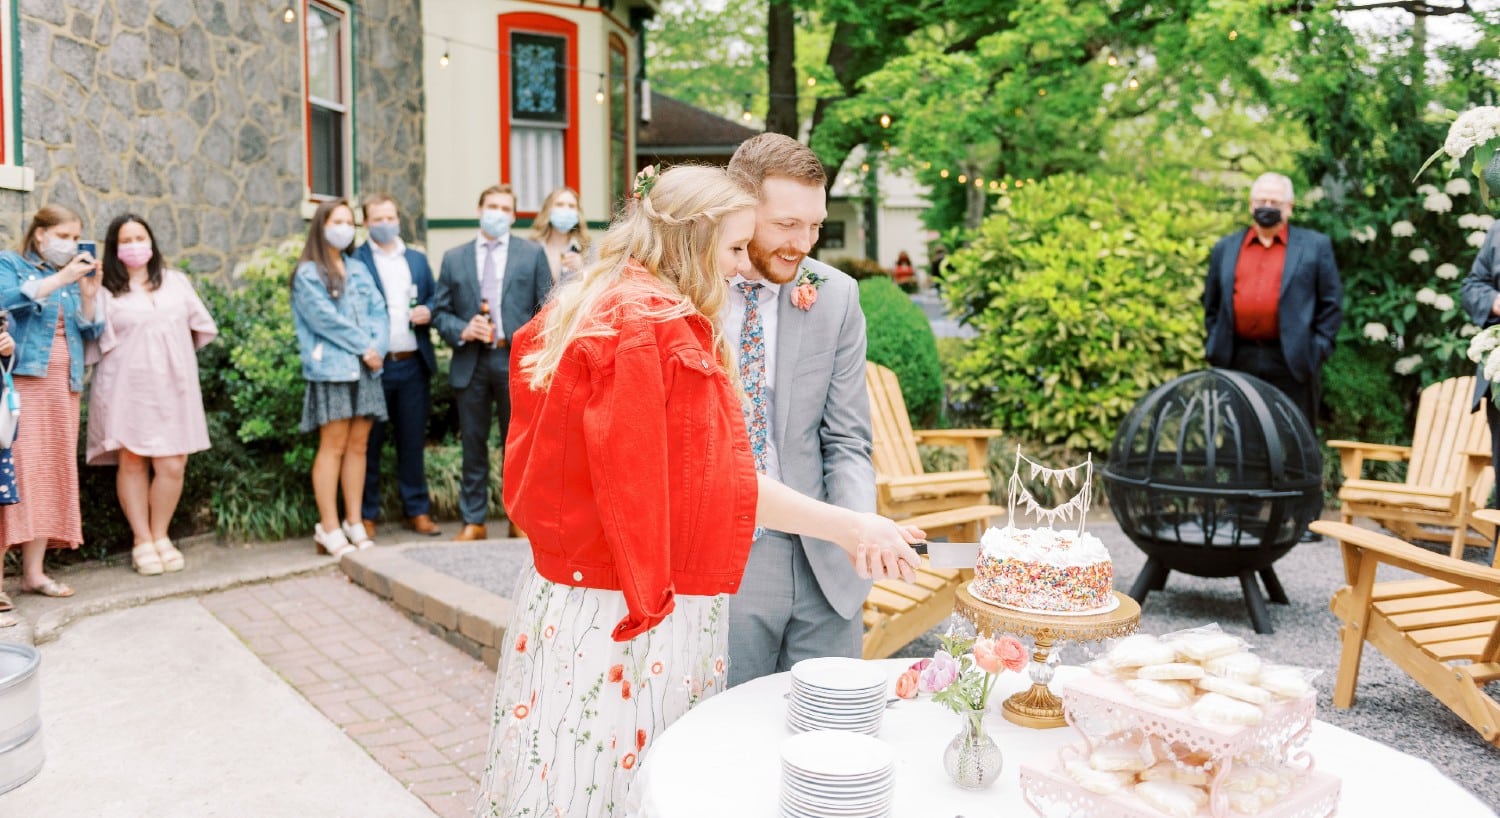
(136, 253)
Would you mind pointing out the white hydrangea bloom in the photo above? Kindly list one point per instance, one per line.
(1427, 190)
(1376, 331)
(1457, 187)
(1482, 344)
(1407, 365)
(1426, 295)
(1446, 271)
(1473, 127)
(1443, 302)
(1476, 239)
(1363, 234)
(1469, 221)
(1313, 196)
(1438, 203)
(1467, 331)
(1485, 221)
(1492, 365)
(1403, 228)
(1418, 256)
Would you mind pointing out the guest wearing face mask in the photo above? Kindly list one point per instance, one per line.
(343, 333)
(405, 280)
(562, 232)
(145, 407)
(486, 290)
(49, 290)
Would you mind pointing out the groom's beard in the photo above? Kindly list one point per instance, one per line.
(770, 266)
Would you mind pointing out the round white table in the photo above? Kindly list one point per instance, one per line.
(723, 759)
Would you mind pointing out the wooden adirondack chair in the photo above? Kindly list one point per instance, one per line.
(1448, 473)
(902, 487)
(1443, 629)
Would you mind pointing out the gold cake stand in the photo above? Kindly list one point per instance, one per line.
(1038, 707)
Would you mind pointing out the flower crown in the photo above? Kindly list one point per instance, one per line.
(644, 181)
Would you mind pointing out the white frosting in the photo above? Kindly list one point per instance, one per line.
(1045, 545)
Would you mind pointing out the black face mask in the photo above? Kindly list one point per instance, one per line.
(1267, 216)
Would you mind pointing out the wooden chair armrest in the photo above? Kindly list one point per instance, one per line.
(975, 441)
(934, 477)
(1402, 488)
(1373, 451)
(1391, 551)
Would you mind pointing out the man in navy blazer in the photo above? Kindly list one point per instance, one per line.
(1481, 299)
(405, 279)
(1273, 301)
(510, 277)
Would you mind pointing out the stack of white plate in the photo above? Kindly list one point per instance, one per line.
(836, 693)
(828, 773)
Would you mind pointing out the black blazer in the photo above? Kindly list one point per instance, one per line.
(1308, 311)
(527, 283)
(1479, 289)
(421, 275)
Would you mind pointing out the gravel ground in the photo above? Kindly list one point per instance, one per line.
(1391, 708)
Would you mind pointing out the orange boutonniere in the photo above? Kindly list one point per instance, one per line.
(805, 291)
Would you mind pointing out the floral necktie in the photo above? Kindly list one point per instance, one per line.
(753, 373)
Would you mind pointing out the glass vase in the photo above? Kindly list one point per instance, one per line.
(973, 759)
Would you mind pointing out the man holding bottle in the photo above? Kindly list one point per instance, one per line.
(511, 277)
(404, 278)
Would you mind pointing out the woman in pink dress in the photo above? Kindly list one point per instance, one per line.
(145, 407)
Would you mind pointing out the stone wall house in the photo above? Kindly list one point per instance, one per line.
(219, 121)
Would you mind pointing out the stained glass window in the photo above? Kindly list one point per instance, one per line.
(539, 88)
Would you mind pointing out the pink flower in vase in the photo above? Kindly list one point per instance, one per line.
(938, 675)
(906, 684)
(1013, 655)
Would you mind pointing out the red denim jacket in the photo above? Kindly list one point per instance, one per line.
(632, 470)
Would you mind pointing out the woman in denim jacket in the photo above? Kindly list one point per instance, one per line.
(48, 289)
(342, 335)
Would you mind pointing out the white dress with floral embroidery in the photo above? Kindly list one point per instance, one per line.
(576, 711)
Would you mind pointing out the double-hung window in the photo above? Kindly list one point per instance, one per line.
(329, 140)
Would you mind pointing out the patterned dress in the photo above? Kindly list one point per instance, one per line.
(46, 457)
(575, 748)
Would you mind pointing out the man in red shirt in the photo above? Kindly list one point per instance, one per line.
(1273, 301)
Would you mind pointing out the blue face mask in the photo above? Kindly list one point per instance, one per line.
(564, 220)
(385, 232)
(495, 222)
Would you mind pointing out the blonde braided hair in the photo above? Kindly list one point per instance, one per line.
(673, 233)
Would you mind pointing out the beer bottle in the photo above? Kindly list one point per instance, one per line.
(411, 304)
(484, 310)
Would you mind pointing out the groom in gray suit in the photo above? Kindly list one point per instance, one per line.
(494, 275)
(799, 336)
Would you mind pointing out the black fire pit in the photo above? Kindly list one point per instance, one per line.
(1215, 474)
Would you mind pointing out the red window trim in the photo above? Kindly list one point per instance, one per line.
(527, 21)
(307, 96)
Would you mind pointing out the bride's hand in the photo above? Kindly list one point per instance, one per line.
(881, 549)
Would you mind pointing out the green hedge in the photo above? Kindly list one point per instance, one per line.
(900, 337)
(1085, 294)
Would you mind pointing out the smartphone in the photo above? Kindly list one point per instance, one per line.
(93, 250)
(573, 247)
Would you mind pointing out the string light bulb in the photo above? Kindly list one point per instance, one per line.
(290, 15)
(444, 60)
(747, 116)
(1132, 83)
(1113, 60)
(885, 120)
(1234, 35)
(943, 173)
(811, 81)
(962, 179)
(599, 95)
(864, 168)
(1041, 92)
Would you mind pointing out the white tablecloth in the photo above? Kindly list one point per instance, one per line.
(722, 759)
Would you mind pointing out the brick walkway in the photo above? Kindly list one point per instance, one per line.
(419, 706)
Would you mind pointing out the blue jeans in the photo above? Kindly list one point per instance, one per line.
(408, 398)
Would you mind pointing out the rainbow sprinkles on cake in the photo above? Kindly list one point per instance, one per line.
(1046, 569)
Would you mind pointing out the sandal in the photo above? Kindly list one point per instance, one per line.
(332, 543)
(5, 603)
(56, 589)
(355, 532)
(8, 620)
(171, 558)
(145, 560)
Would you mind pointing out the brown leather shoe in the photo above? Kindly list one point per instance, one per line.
(516, 532)
(472, 532)
(423, 524)
(369, 528)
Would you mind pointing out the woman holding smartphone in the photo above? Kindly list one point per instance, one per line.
(145, 407)
(343, 332)
(49, 289)
(561, 231)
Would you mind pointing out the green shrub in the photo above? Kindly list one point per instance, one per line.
(900, 337)
(860, 269)
(1085, 293)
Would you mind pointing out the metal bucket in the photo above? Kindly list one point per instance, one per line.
(20, 715)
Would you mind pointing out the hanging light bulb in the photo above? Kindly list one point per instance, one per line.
(864, 168)
(444, 60)
(962, 179)
(1234, 35)
(811, 81)
(1113, 60)
(599, 95)
(1132, 83)
(885, 120)
(290, 15)
(1019, 183)
(1041, 92)
(943, 173)
(747, 116)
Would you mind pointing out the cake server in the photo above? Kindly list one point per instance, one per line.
(949, 554)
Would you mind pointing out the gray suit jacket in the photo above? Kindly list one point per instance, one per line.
(1480, 287)
(524, 289)
(822, 419)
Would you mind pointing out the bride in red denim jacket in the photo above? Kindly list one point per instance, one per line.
(629, 468)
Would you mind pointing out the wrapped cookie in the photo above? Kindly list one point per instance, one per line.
(1120, 758)
(1241, 666)
(1140, 649)
(1216, 708)
(1183, 671)
(1162, 694)
(1237, 690)
(1101, 782)
(1285, 681)
(1172, 798)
